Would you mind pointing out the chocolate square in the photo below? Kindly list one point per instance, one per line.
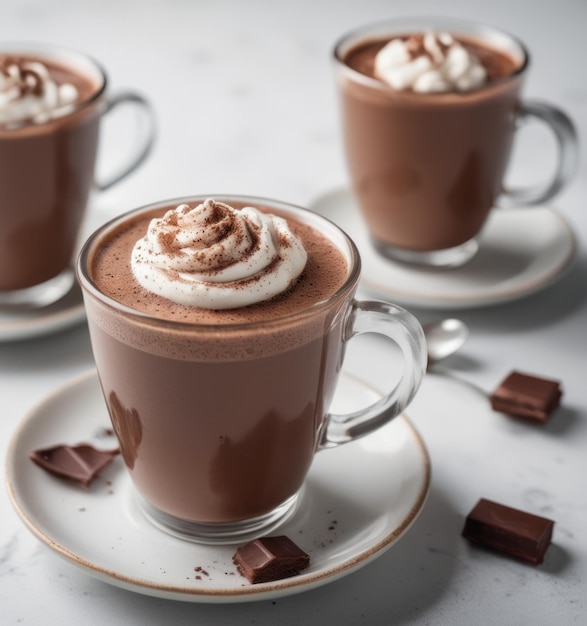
(517, 533)
(269, 559)
(526, 396)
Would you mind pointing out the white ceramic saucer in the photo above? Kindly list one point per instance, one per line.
(358, 501)
(521, 251)
(67, 311)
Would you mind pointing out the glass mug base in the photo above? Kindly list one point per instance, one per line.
(40, 295)
(219, 533)
(446, 258)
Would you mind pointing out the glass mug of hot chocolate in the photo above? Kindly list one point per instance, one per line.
(51, 103)
(429, 110)
(218, 328)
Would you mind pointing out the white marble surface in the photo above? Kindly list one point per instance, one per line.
(246, 103)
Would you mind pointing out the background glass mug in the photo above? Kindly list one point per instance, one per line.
(46, 175)
(427, 168)
(218, 423)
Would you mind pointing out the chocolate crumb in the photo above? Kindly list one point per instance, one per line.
(201, 570)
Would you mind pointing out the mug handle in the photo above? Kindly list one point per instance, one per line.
(405, 330)
(568, 153)
(146, 119)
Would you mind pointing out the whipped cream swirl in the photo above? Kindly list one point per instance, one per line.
(27, 92)
(214, 256)
(429, 63)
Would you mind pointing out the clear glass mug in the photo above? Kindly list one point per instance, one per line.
(218, 424)
(47, 171)
(427, 169)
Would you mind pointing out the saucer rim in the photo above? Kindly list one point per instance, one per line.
(301, 583)
(44, 321)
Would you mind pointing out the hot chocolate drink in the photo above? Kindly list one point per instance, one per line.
(236, 437)
(427, 166)
(429, 110)
(51, 104)
(48, 140)
(218, 329)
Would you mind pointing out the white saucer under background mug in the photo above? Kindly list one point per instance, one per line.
(427, 168)
(23, 323)
(47, 171)
(520, 253)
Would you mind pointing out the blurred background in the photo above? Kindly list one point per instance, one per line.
(241, 84)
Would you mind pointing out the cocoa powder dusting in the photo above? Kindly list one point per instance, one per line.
(325, 271)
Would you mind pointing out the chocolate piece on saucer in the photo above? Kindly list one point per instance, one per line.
(526, 396)
(81, 463)
(269, 559)
(517, 533)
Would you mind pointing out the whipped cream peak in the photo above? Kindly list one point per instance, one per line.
(214, 256)
(429, 63)
(28, 92)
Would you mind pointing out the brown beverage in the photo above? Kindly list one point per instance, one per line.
(220, 412)
(46, 171)
(242, 420)
(426, 168)
(47, 160)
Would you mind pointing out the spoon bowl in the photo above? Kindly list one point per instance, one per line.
(444, 338)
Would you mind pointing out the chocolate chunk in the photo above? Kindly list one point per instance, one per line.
(526, 396)
(269, 559)
(81, 463)
(519, 534)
